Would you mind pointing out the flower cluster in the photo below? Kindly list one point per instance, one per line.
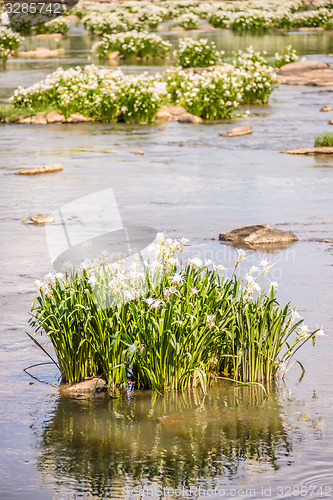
(99, 93)
(9, 41)
(211, 94)
(288, 55)
(258, 78)
(57, 25)
(197, 53)
(188, 21)
(133, 43)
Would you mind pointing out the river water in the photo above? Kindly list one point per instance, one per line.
(190, 182)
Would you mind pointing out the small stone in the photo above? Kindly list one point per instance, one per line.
(178, 29)
(258, 234)
(326, 108)
(330, 122)
(41, 219)
(324, 150)
(85, 388)
(46, 169)
(55, 117)
(78, 118)
(242, 130)
(137, 153)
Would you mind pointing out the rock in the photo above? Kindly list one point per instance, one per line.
(137, 153)
(49, 36)
(258, 234)
(86, 388)
(78, 118)
(114, 55)
(46, 169)
(322, 240)
(207, 27)
(242, 130)
(326, 108)
(330, 122)
(41, 219)
(55, 117)
(324, 150)
(316, 28)
(315, 73)
(38, 119)
(178, 29)
(72, 18)
(177, 114)
(42, 53)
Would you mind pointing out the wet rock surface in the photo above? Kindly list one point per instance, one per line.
(323, 150)
(234, 132)
(314, 73)
(86, 388)
(177, 114)
(258, 234)
(46, 169)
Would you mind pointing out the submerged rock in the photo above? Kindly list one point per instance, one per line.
(322, 150)
(177, 114)
(41, 219)
(326, 108)
(86, 388)
(315, 73)
(242, 130)
(258, 234)
(42, 53)
(46, 169)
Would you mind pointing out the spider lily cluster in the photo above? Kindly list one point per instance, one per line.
(9, 41)
(111, 95)
(165, 324)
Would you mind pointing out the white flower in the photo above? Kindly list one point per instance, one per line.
(210, 321)
(266, 266)
(273, 284)
(177, 279)
(195, 262)
(241, 255)
(321, 333)
(132, 348)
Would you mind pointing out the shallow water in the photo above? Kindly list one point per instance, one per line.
(190, 182)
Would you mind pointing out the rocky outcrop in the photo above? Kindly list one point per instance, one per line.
(242, 130)
(258, 234)
(315, 73)
(177, 114)
(87, 388)
(326, 108)
(42, 53)
(46, 169)
(55, 117)
(38, 119)
(324, 150)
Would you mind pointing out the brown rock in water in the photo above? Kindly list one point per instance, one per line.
(323, 150)
(78, 118)
(258, 234)
(114, 55)
(38, 119)
(137, 153)
(242, 130)
(326, 108)
(86, 388)
(55, 117)
(41, 219)
(46, 169)
(178, 29)
(177, 114)
(42, 53)
(49, 36)
(330, 122)
(315, 73)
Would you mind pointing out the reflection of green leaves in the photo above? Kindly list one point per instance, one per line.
(176, 439)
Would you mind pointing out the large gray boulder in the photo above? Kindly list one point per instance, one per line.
(258, 234)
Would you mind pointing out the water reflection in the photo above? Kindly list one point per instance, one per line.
(104, 444)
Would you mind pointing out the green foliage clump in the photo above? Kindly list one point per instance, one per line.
(324, 140)
(197, 53)
(165, 325)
